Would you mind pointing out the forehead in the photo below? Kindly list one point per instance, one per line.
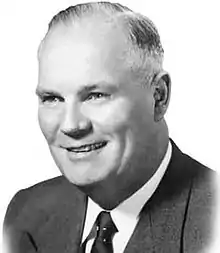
(89, 38)
(85, 49)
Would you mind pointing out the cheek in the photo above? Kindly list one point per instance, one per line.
(49, 123)
(111, 116)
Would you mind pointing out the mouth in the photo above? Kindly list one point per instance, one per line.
(87, 147)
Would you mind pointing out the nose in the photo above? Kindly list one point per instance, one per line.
(75, 124)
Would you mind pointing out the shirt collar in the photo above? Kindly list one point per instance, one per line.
(128, 210)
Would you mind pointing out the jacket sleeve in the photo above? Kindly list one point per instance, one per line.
(15, 237)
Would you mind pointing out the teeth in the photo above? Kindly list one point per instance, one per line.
(88, 148)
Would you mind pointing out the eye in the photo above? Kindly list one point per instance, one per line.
(97, 95)
(51, 99)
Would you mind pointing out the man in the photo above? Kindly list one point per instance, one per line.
(126, 187)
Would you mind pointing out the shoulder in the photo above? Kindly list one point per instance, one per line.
(200, 180)
(195, 188)
(203, 180)
(39, 208)
(190, 172)
(201, 207)
(29, 204)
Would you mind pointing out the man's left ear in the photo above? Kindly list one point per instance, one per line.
(162, 88)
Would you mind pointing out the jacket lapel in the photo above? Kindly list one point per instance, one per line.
(161, 223)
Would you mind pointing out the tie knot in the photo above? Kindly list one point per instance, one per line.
(105, 227)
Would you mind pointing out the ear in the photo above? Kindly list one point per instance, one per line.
(162, 87)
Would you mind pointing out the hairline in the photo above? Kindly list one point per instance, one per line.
(146, 57)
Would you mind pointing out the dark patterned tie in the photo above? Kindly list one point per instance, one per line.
(106, 229)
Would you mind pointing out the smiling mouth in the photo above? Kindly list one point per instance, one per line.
(88, 147)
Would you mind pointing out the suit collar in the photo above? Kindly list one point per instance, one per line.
(160, 227)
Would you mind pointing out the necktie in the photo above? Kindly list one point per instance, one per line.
(105, 230)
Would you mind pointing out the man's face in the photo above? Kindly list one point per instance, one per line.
(97, 119)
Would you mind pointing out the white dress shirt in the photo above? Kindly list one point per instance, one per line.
(126, 215)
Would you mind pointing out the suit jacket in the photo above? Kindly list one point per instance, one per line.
(49, 217)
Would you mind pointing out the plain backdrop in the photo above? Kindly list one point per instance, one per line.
(190, 36)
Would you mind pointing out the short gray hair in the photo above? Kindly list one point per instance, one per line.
(142, 33)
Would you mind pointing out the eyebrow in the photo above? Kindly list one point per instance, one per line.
(40, 92)
(88, 88)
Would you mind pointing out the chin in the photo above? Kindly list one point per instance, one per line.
(85, 181)
(84, 173)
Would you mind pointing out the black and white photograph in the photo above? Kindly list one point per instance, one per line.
(110, 126)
